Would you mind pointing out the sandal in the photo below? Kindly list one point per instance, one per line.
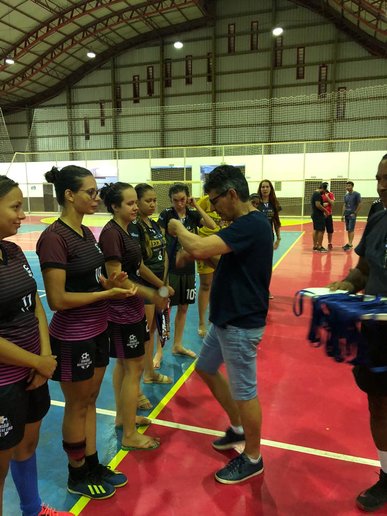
(158, 378)
(143, 403)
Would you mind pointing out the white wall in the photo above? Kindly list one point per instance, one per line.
(291, 169)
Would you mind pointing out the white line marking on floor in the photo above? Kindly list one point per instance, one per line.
(265, 442)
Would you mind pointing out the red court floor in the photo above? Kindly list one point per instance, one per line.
(317, 448)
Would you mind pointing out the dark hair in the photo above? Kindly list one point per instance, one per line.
(111, 194)
(6, 185)
(67, 178)
(178, 187)
(141, 189)
(146, 246)
(350, 183)
(384, 157)
(253, 196)
(272, 200)
(227, 177)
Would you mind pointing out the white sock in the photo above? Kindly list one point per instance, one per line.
(253, 461)
(383, 460)
(237, 429)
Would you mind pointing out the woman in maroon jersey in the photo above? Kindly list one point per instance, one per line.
(127, 322)
(25, 359)
(71, 263)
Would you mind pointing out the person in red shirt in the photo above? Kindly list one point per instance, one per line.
(328, 202)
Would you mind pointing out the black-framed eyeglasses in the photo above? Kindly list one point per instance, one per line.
(91, 192)
(214, 200)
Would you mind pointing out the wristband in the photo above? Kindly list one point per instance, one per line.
(163, 292)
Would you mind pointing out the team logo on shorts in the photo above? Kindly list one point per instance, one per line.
(5, 426)
(85, 361)
(132, 341)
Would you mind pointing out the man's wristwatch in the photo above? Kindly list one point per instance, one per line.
(163, 292)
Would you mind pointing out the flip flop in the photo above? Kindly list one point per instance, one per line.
(143, 403)
(140, 421)
(140, 448)
(159, 378)
(185, 353)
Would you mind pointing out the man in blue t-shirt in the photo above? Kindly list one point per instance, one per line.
(243, 254)
(351, 207)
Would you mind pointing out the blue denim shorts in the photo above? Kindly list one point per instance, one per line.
(350, 222)
(237, 348)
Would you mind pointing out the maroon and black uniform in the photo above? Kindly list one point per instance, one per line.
(127, 323)
(60, 247)
(182, 279)
(18, 325)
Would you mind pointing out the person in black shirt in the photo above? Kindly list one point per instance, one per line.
(370, 274)
(238, 309)
(191, 216)
(318, 217)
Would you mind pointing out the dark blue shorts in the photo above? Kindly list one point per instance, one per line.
(78, 359)
(18, 408)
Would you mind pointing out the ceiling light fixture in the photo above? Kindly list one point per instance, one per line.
(91, 55)
(277, 31)
(9, 60)
(178, 44)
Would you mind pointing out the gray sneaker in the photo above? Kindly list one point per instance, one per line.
(229, 440)
(238, 470)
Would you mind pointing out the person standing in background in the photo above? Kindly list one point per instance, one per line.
(184, 209)
(318, 216)
(153, 272)
(205, 271)
(268, 204)
(328, 199)
(351, 207)
(128, 328)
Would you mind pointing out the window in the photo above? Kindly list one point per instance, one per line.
(188, 69)
(136, 89)
(168, 73)
(300, 71)
(118, 99)
(341, 101)
(102, 112)
(322, 80)
(231, 38)
(150, 81)
(86, 128)
(278, 49)
(209, 67)
(254, 35)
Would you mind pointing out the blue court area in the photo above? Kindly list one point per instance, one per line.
(52, 462)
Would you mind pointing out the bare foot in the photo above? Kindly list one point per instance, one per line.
(140, 442)
(157, 359)
(180, 350)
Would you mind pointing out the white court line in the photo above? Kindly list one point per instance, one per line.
(264, 442)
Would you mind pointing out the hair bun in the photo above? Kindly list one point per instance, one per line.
(52, 175)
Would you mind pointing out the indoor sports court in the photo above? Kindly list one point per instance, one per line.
(316, 445)
(159, 92)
